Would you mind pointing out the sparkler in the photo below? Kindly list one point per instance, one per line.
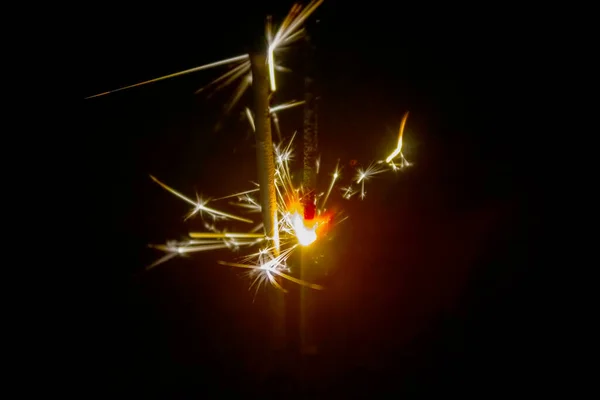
(293, 230)
(268, 258)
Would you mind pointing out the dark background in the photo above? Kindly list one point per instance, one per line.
(430, 283)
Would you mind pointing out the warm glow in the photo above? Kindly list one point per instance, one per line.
(304, 235)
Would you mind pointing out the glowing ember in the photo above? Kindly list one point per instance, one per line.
(304, 234)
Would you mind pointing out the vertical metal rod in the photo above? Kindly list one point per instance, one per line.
(264, 145)
(266, 179)
(309, 183)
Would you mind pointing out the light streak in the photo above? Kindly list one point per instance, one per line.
(238, 194)
(334, 177)
(271, 65)
(287, 31)
(250, 119)
(398, 149)
(285, 106)
(228, 77)
(198, 206)
(173, 75)
(238, 92)
(270, 268)
(212, 235)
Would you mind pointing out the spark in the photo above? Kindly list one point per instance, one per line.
(363, 175)
(286, 32)
(228, 77)
(273, 266)
(250, 119)
(238, 92)
(281, 68)
(398, 149)
(295, 18)
(238, 194)
(251, 206)
(334, 177)
(213, 235)
(348, 192)
(286, 106)
(293, 38)
(173, 75)
(271, 64)
(198, 206)
(189, 248)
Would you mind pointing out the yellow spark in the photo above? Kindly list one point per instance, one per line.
(286, 106)
(293, 37)
(281, 68)
(192, 249)
(276, 272)
(292, 21)
(161, 260)
(298, 16)
(253, 206)
(238, 194)
(176, 249)
(231, 75)
(363, 175)
(250, 119)
(348, 192)
(199, 206)
(215, 235)
(333, 179)
(173, 75)
(237, 94)
(286, 22)
(271, 65)
(400, 134)
(372, 169)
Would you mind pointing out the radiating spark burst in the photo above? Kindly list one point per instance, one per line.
(362, 175)
(200, 206)
(292, 229)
